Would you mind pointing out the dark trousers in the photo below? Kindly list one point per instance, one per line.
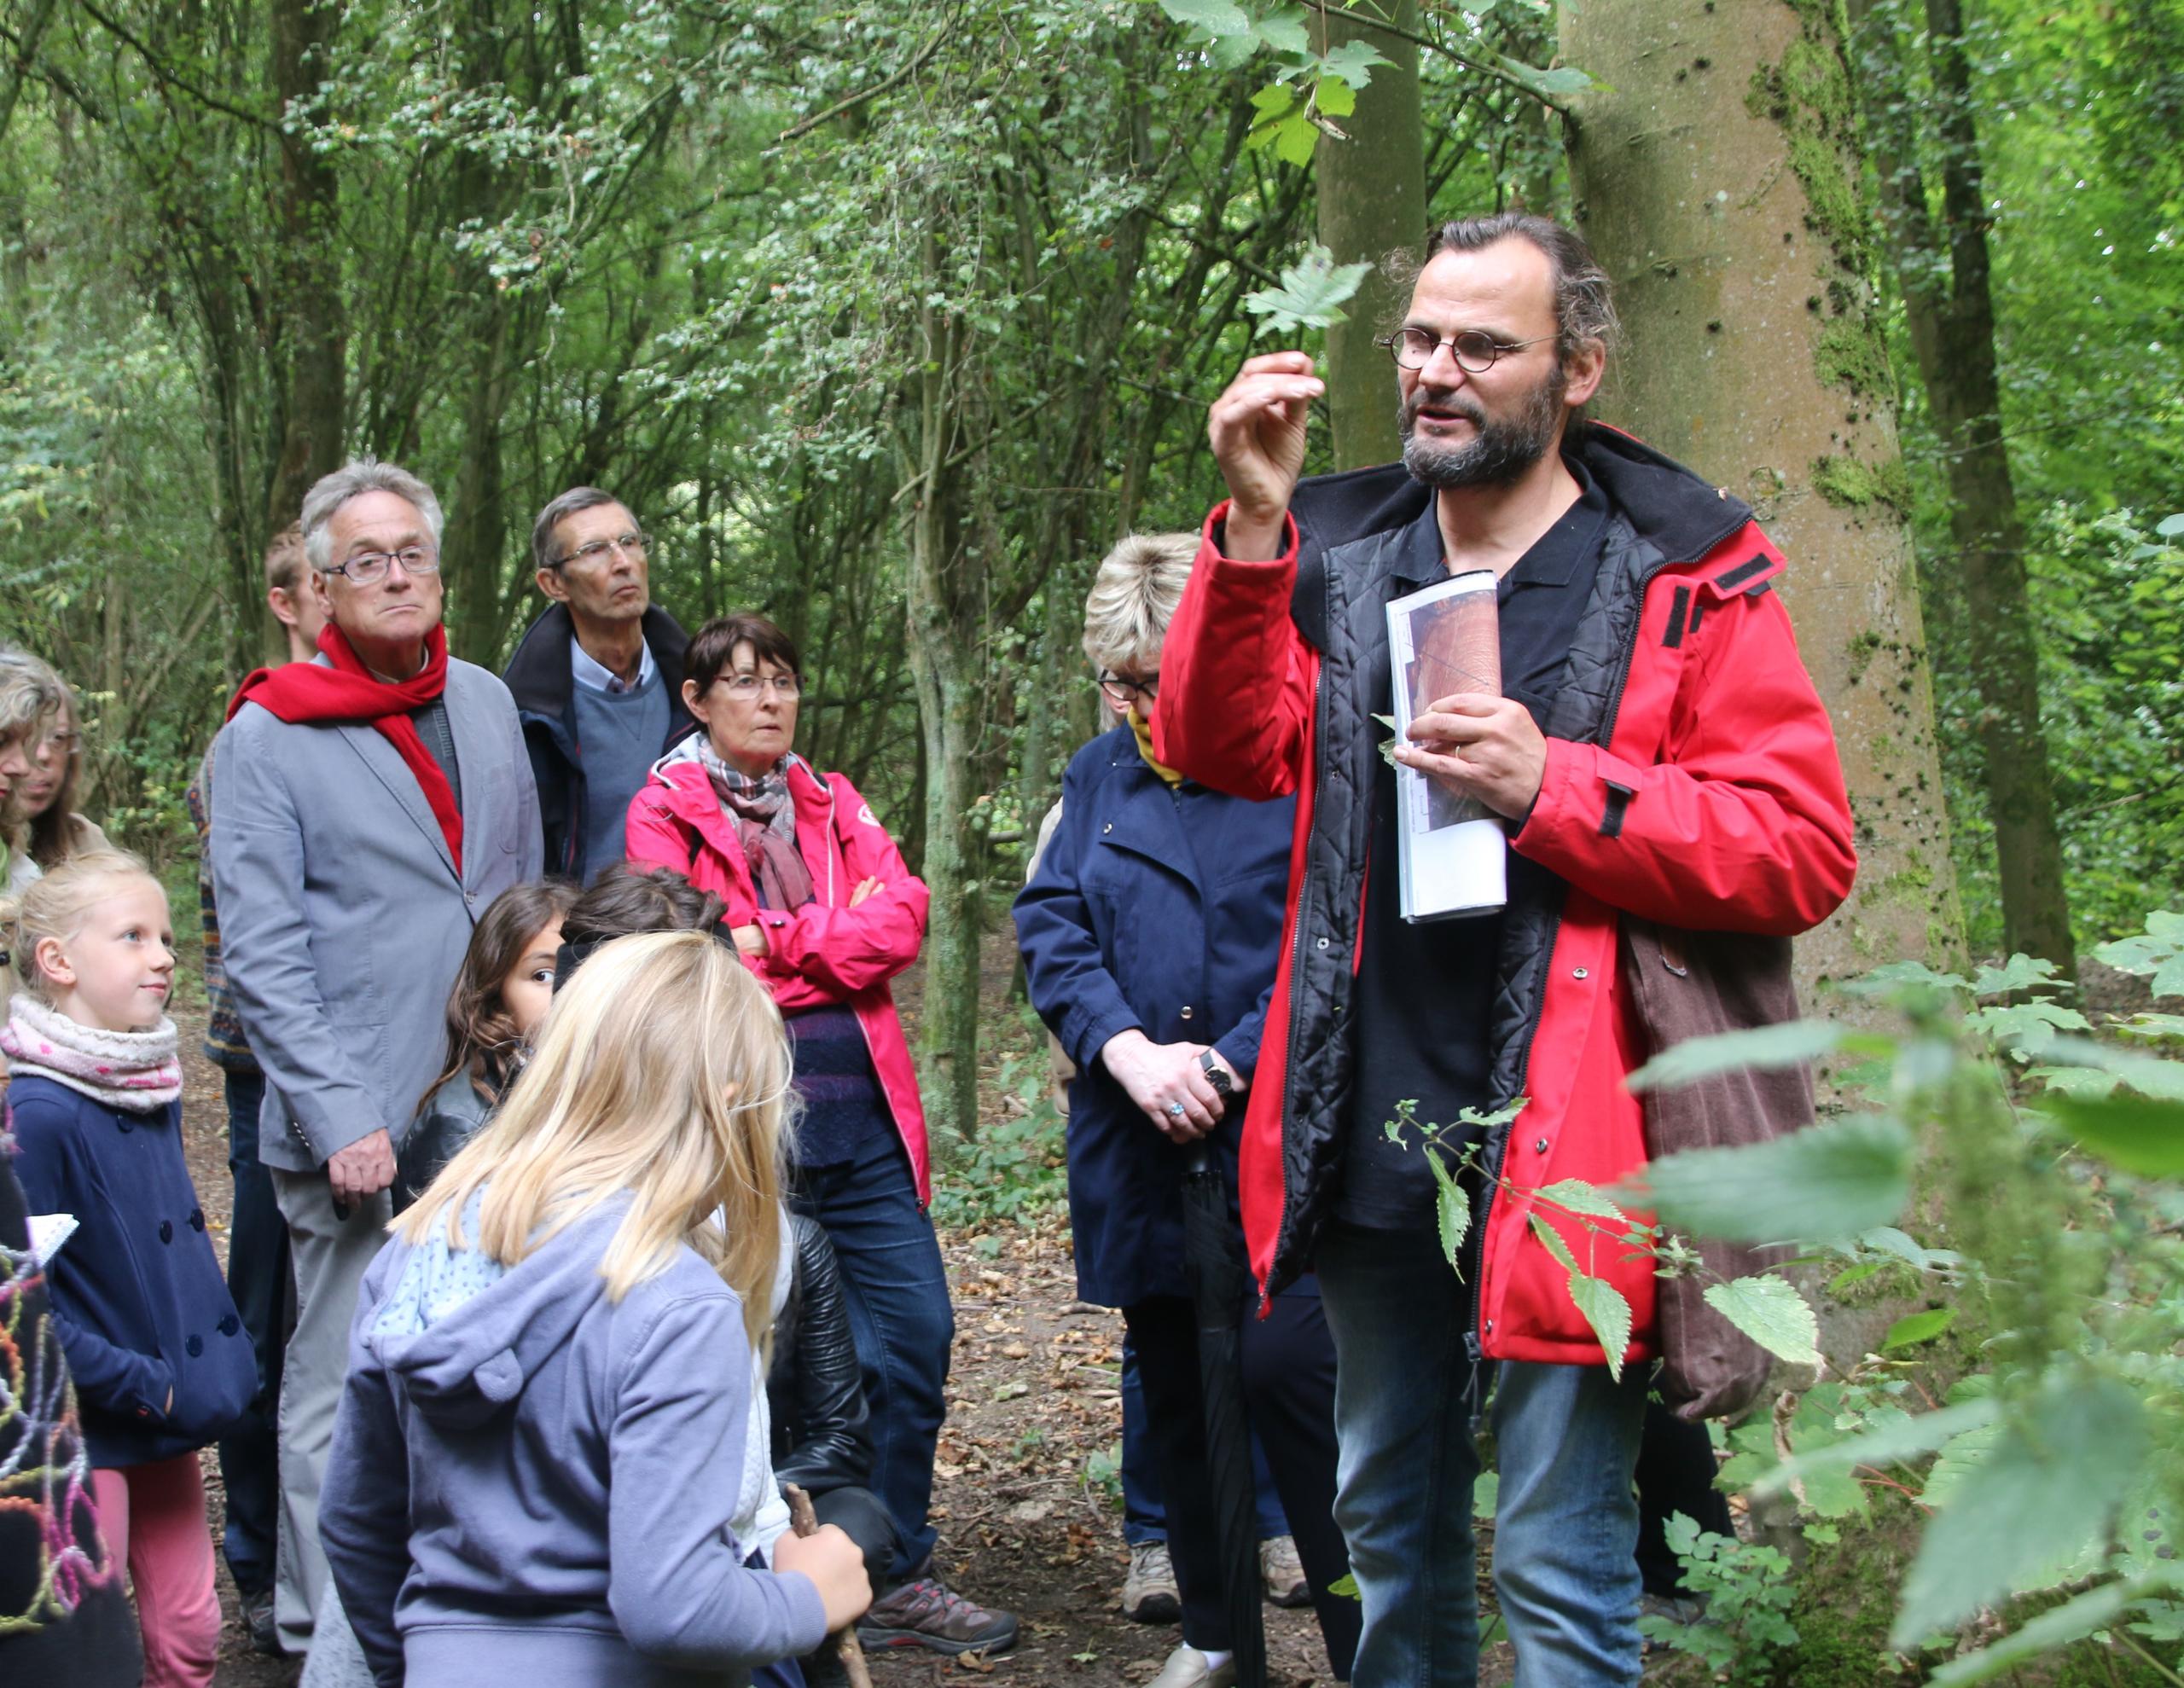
(900, 1318)
(1675, 1474)
(1288, 1366)
(259, 1279)
(1145, 1515)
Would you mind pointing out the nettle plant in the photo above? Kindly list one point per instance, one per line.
(2042, 1164)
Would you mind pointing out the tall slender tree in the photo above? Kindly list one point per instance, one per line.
(1942, 271)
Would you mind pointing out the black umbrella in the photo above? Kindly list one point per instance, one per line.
(1221, 1280)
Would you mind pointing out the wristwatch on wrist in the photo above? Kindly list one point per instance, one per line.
(1217, 1075)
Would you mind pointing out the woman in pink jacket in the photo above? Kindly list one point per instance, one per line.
(826, 914)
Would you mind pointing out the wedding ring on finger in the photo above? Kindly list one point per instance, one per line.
(1175, 1110)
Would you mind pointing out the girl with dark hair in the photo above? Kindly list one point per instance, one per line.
(499, 998)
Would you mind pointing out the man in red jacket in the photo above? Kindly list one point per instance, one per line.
(1657, 754)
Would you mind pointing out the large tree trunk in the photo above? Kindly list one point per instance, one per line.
(1943, 274)
(1715, 177)
(310, 351)
(1372, 202)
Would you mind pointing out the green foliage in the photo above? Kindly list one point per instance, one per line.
(1770, 1311)
(1014, 1169)
(1451, 1211)
(1830, 1181)
(2066, 1427)
(1747, 1592)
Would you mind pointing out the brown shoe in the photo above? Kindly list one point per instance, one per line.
(925, 1612)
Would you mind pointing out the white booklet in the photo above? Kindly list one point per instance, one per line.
(1453, 852)
(48, 1231)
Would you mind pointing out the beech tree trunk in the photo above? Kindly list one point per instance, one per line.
(1372, 202)
(1943, 272)
(1716, 175)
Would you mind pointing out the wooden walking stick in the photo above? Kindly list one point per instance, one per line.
(803, 1521)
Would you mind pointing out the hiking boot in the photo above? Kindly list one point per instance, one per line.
(1187, 1668)
(257, 1622)
(1283, 1573)
(925, 1612)
(1149, 1591)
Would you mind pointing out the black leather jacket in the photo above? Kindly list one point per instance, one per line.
(448, 1120)
(823, 1429)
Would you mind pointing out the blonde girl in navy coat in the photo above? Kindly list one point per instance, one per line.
(161, 1364)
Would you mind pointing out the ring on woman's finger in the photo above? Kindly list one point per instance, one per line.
(1175, 1110)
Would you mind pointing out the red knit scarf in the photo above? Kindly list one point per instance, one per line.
(349, 691)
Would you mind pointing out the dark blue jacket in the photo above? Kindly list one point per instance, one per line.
(1160, 910)
(137, 1295)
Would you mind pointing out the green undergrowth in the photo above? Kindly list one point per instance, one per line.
(1012, 1172)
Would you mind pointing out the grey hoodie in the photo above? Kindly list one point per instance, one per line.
(529, 1484)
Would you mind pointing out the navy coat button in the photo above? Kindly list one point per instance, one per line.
(194, 1346)
(197, 1219)
(166, 1230)
(229, 1324)
(127, 1125)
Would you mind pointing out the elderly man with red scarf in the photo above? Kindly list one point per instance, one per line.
(371, 804)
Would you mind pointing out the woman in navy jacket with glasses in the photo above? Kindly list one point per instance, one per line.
(1150, 931)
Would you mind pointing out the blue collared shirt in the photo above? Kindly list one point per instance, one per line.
(588, 671)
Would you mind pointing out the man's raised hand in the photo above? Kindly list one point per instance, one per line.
(1258, 430)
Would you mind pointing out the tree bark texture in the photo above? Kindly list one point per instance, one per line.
(1715, 175)
(1372, 202)
(310, 351)
(945, 668)
(1943, 272)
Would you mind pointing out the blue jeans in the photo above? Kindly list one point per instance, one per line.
(900, 1318)
(1566, 1441)
(1145, 1515)
(258, 1279)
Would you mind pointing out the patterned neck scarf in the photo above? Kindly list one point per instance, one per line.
(137, 1072)
(765, 823)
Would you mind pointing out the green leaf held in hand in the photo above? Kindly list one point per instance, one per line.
(1312, 291)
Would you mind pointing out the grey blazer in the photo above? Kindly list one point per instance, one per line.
(342, 922)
